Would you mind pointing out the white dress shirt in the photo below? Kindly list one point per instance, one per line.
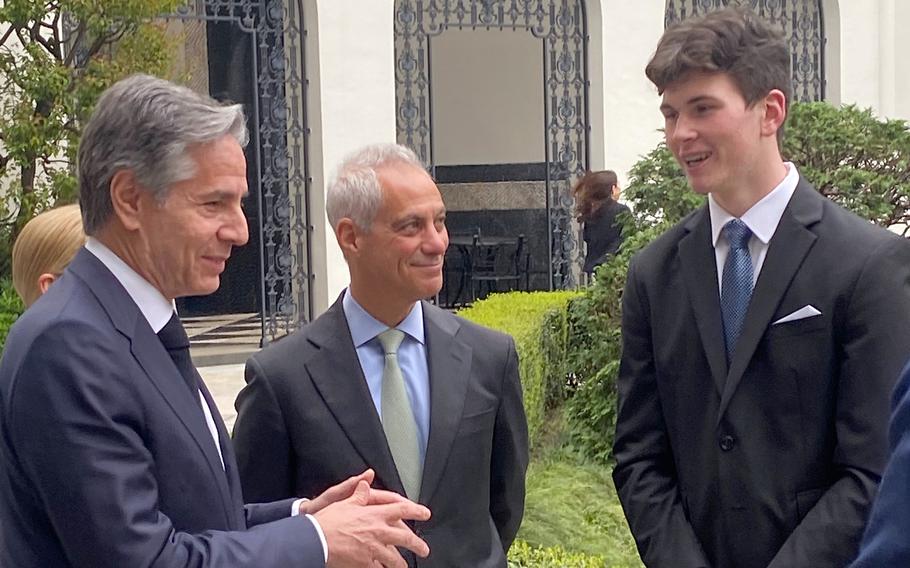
(762, 219)
(157, 310)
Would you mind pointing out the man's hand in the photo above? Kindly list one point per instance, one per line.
(364, 529)
(335, 493)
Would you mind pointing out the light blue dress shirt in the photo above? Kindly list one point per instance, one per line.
(412, 358)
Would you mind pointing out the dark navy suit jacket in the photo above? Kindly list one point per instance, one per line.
(105, 456)
(885, 542)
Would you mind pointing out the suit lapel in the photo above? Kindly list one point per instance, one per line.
(230, 461)
(160, 370)
(449, 364)
(153, 358)
(699, 268)
(788, 247)
(336, 373)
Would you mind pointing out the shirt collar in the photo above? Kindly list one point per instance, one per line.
(365, 327)
(154, 306)
(763, 217)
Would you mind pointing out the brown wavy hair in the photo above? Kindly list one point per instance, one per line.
(592, 192)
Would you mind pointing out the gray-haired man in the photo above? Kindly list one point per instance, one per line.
(112, 452)
(384, 380)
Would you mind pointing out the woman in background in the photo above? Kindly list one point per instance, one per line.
(597, 208)
(45, 246)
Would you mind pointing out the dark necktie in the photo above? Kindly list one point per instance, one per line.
(174, 339)
(736, 287)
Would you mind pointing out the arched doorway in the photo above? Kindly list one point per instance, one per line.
(558, 27)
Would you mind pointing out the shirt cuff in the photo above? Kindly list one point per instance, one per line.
(295, 506)
(295, 511)
(325, 545)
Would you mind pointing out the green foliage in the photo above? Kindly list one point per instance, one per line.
(573, 505)
(49, 85)
(595, 345)
(10, 308)
(853, 158)
(523, 555)
(537, 322)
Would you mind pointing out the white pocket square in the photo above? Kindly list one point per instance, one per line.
(802, 313)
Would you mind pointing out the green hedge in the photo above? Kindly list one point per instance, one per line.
(537, 322)
(523, 555)
(10, 308)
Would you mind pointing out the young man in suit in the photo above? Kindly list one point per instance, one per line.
(384, 380)
(112, 452)
(761, 335)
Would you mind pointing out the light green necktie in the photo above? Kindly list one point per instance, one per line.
(398, 417)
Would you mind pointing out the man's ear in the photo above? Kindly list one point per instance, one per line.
(45, 281)
(346, 233)
(126, 197)
(775, 112)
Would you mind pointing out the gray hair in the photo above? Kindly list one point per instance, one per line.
(146, 125)
(354, 192)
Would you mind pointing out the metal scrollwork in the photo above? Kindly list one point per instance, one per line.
(561, 24)
(802, 23)
(278, 147)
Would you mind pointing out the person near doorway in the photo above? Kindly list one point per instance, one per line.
(385, 380)
(762, 334)
(112, 452)
(598, 209)
(46, 244)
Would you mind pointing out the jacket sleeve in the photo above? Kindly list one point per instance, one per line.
(509, 461)
(645, 474)
(261, 441)
(875, 344)
(885, 542)
(77, 428)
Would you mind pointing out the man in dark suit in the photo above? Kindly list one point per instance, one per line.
(761, 335)
(439, 417)
(112, 452)
(885, 542)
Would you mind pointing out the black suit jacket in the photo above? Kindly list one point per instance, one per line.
(305, 421)
(774, 460)
(105, 456)
(603, 235)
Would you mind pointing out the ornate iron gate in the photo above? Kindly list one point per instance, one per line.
(802, 23)
(562, 27)
(266, 65)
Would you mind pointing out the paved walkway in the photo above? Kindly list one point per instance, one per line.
(224, 382)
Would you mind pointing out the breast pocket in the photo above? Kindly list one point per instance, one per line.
(477, 422)
(798, 327)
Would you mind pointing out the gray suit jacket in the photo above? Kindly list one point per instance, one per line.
(105, 456)
(306, 421)
(774, 460)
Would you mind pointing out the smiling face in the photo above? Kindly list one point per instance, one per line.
(186, 240)
(725, 147)
(398, 261)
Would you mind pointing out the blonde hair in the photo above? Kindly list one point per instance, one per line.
(46, 244)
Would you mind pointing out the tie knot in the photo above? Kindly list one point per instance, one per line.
(737, 233)
(390, 340)
(172, 335)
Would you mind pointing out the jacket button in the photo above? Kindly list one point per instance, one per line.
(727, 442)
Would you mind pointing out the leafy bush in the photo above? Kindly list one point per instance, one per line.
(536, 321)
(10, 308)
(850, 156)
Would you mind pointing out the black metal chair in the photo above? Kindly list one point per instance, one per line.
(496, 261)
